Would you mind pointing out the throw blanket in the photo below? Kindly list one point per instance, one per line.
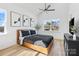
(40, 43)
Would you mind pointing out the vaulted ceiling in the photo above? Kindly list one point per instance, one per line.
(33, 8)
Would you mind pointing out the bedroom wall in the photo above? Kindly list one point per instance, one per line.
(10, 38)
(61, 12)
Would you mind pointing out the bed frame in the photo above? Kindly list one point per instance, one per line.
(35, 47)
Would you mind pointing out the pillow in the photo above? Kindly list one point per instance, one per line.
(25, 33)
(32, 32)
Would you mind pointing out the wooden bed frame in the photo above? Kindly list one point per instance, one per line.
(35, 47)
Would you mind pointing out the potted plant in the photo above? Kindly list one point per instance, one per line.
(37, 27)
(47, 26)
(74, 30)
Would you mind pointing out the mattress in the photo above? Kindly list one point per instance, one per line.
(34, 38)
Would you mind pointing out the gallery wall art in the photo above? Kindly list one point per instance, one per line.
(33, 22)
(47, 26)
(15, 19)
(25, 21)
(18, 20)
(55, 24)
(51, 24)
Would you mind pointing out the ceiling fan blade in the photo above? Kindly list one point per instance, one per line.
(51, 10)
(48, 7)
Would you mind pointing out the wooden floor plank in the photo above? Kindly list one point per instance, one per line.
(17, 50)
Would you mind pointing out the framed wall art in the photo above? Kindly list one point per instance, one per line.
(33, 22)
(55, 24)
(47, 26)
(15, 19)
(52, 24)
(26, 21)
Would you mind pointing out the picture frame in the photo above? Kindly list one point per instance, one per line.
(55, 24)
(15, 19)
(32, 22)
(47, 25)
(25, 21)
(51, 24)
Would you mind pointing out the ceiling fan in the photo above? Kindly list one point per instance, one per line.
(46, 9)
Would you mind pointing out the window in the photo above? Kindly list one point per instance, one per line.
(3, 19)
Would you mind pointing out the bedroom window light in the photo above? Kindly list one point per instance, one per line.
(3, 18)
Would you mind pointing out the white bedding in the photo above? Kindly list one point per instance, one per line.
(40, 43)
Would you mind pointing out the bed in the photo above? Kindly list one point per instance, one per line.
(40, 43)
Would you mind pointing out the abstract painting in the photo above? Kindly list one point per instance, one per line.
(33, 22)
(15, 19)
(26, 21)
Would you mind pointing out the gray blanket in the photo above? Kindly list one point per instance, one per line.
(44, 40)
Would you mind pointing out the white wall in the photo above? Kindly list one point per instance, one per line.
(10, 38)
(61, 12)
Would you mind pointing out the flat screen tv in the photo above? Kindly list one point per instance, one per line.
(71, 24)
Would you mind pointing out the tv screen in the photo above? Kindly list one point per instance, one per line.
(71, 24)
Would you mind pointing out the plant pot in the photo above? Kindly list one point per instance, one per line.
(74, 37)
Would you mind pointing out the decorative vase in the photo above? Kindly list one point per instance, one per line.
(74, 37)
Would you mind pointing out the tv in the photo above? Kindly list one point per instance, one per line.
(71, 24)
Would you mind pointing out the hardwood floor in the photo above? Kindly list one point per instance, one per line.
(57, 48)
(16, 50)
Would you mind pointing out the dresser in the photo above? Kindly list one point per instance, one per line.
(71, 46)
